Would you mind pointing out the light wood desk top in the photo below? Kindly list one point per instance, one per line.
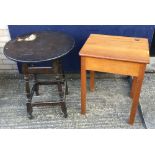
(116, 48)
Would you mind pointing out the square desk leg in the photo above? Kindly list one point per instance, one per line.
(83, 86)
(134, 80)
(135, 90)
(92, 77)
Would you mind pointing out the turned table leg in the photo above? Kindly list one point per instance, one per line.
(61, 94)
(27, 89)
(92, 77)
(83, 86)
(61, 70)
(36, 86)
(136, 94)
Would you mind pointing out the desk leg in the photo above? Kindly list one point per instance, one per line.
(133, 86)
(92, 77)
(83, 86)
(136, 94)
(27, 89)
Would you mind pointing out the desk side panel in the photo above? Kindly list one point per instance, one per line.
(112, 66)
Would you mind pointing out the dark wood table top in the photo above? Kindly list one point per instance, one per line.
(39, 47)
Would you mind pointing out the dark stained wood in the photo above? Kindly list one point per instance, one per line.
(39, 47)
(46, 46)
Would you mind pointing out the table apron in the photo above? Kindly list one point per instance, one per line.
(112, 66)
(40, 70)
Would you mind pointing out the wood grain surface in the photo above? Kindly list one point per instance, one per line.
(116, 48)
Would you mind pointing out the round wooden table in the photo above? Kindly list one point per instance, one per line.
(34, 48)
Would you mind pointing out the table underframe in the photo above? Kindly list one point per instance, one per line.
(60, 80)
(133, 69)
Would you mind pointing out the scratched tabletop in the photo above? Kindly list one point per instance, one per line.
(39, 46)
